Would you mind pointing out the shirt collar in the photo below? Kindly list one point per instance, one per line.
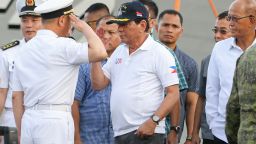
(253, 43)
(176, 49)
(22, 41)
(146, 44)
(234, 45)
(46, 32)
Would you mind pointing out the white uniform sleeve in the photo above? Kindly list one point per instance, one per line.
(76, 53)
(212, 89)
(16, 85)
(4, 72)
(166, 69)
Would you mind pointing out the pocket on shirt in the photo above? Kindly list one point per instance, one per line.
(11, 65)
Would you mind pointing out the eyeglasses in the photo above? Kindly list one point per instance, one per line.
(222, 31)
(236, 19)
(91, 22)
(151, 18)
(110, 32)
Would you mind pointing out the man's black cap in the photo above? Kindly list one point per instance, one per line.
(130, 11)
(27, 7)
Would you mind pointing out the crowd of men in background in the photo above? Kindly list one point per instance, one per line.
(124, 85)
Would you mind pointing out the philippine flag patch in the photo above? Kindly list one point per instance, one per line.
(173, 69)
(139, 14)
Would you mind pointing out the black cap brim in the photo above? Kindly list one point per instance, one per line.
(119, 21)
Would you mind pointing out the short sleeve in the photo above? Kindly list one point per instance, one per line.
(202, 80)
(4, 72)
(166, 68)
(16, 84)
(193, 82)
(76, 53)
(82, 82)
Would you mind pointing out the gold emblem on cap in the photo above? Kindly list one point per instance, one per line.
(30, 2)
(124, 6)
(69, 12)
(121, 20)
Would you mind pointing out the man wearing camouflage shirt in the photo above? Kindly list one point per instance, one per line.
(223, 63)
(241, 107)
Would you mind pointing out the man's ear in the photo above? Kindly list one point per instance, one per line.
(253, 20)
(182, 29)
(156, 27)
(154, 22)
(61, 21)
(143, 24)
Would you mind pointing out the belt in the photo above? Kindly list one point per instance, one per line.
(66, 108)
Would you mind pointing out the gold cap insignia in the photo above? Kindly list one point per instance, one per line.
(30, 2)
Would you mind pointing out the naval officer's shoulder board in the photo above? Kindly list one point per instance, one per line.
(10, 45)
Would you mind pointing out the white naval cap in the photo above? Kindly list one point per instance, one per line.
(26, 7)
(55, 8)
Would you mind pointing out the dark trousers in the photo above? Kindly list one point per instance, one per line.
(131, 138)
(208, 141)
(218, 141)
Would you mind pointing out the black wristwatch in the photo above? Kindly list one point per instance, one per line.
(155, 119)
(175, 128)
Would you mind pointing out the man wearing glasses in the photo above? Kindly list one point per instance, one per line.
(223, 62)
(94, 13)
(221, 32)
(91, 109)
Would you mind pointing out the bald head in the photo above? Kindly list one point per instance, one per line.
(246, 7)
(242, 17)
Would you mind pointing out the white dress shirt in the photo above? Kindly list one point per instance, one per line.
(47, 69)
(6, 70)
(219, 84)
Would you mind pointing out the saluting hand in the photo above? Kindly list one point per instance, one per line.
(78, 24)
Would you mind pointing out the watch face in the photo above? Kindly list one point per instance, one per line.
(155, 118)
(176, 128)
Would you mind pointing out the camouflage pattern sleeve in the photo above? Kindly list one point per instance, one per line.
(233, 114)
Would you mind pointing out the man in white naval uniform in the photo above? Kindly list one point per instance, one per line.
(30, 23)
(45, 75)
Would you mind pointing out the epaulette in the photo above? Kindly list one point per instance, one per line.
(10, 45)
(71, 37)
